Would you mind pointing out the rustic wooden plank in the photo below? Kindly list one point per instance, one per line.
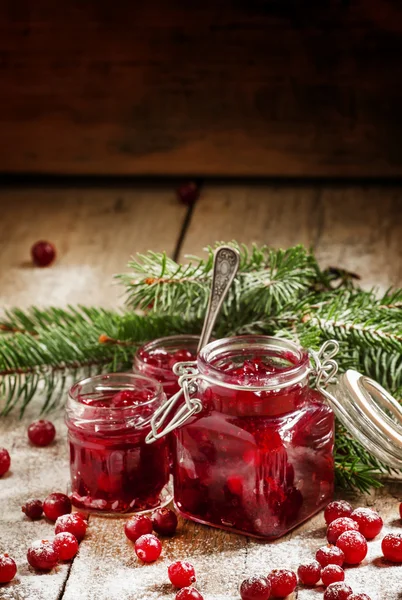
(95, 231)
(235, 88)
(351, 226)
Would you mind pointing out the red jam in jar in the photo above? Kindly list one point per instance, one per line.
(156, 359)
(112, 469)
(258, 458)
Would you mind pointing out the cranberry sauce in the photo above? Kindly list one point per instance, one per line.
(255, 461)
(157, 359)
(112, 468)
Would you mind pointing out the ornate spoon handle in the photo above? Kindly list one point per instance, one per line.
(226, 264)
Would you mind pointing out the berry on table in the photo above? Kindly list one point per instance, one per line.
(137, 526)
(309, 573)
(33, 509)
(181, 574)
(164, 521)
(339, 526)
(66, 545)
(42, 555)
(72, 523)
(354, 546)
(56, 505)
(5, 461)
(392, 547)
(43, 253)
(338, 591)
(41, 433)
(330, 555)
(359, 597)
(255, 588)
(148, 548)
(189, 593)
(369, 521)
(8, 568)
(188, 192)
(336, 510)
(332, 574)
(283, 582)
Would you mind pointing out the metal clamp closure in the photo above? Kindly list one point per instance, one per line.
(325, 368)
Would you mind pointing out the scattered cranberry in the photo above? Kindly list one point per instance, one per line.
(135, 527)
(72, 524)
(392, 547)
(340, 526)
(42, 555)
(336, 510)
(332, 574)
(8, 568)
(330, 555)
(164, 521)
(359, 597)
(283, 582)
(5, 461)
(41, 433)
(369, 522)
(43, 253)
(33, 509)
(309, 573)
(66, 545)
(354, 546)
(181, 574)
(56, 505)
(338, 591)
(188, 193)
(255, 588)
(400, 510)
(189, 593)
(148, 548)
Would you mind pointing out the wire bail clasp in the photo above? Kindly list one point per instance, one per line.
(325, 367)
(160, 425)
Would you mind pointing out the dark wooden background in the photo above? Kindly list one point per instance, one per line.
(228, 87)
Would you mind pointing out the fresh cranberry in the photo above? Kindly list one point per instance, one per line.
(8, 568)
(188, 193)
(189, 593)
(43, 253)
(283, 582)
(41, 433)
(338, 591)
(33, 509)
(5, 461)
(66, 545)
(392, 547)
(332, 574)
(181, 574)
(164, 521)
(148, 548)
(369, 522)
(340, 526)
(309, 573)
(42, 555)
(330, 555)
(72, 524)
(354, 546)
(336, 510)
(359, 597)
(56, 505)
(255, 588)
(137, 526)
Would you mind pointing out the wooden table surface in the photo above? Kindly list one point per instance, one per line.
(95, 231)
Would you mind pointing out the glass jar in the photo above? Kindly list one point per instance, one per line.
(256, 456)
(112, 469)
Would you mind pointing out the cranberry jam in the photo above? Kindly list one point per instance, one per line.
(156, 359)
(258, 458)
(112, 469)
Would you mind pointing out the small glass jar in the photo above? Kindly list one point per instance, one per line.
(112, 469)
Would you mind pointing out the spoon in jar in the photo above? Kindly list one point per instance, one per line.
(226, 264)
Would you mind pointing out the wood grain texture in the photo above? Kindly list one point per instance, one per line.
(231, 88)
(358, 228)
(95, 232)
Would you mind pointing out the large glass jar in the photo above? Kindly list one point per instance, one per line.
(112, 469)
(258, 457)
